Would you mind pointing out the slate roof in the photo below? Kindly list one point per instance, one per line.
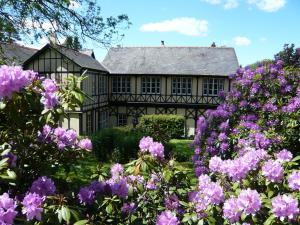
(15, 53)
(82, 59)
(217, 61)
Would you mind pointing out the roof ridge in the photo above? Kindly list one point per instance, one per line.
(20, 45)
(172, 47)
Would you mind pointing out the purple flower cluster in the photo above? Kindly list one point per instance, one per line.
(87, 194)
(156, 149)
(63, 138)
(212, 192)
(7, 209)
(85, 144)
(116, 170)
(12, 159)
(33, 206)
(294, 181)
(238, 168)
(49, 97)
(43, 186)
(153, 182)
(285, 206)
(293, 105)
(231, 210)
(128, 208)
(167, 218)
(13, 79)
(172, 202)
(273, 171)
(249, 201)
(284, 156)
(145, 143)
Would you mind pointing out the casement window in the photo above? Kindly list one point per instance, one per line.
(182, 86)
(103, 119)
(93, 83)
(89, 122)
(212, 86)
(122, 119)
(121, 84)
(102, 84)
(151, 85)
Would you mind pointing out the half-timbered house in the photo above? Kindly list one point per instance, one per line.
(134, 81)
(167, 80)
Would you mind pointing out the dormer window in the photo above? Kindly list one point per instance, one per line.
(150, 85)
(182, 86)
(213, 86)
(121, 85)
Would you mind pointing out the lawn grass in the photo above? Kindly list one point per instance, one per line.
(180, 149)
(90, 168)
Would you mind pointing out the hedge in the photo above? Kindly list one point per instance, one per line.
(118, 144)
(162, 127)
(180, 149)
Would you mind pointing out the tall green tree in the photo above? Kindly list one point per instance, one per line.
(20, 19)
(72, 42)
(289, 55)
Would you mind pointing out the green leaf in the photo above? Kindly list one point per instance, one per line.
(109, 208)
(2, 105)
(78, 96)
(270, 220)
(11, 174)
(65, 213)
(81, 222)
(296, 158)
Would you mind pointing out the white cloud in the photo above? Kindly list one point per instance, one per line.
(231, 4)
(268, 5)
(41, 43)
(241, 41)
(74, 5)
(263, 39)
(227, 4)
(185, 25)
(213, 2)
(45, 25)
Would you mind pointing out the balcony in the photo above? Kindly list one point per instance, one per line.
(187, 100)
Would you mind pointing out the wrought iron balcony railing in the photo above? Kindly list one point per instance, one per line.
(164, 99)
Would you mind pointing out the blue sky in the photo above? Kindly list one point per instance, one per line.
(257, 29)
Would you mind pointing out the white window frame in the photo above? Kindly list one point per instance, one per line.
(122, 119)
(89, 123)
(213, 86)
(102, 84)
(182, 86)
(103, 119)
(121, 85)
(151, 85)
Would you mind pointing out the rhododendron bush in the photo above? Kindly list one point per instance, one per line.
(249, 146)
(246, 159)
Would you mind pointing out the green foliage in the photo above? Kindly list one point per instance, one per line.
(179, 149)
(289, 55)
(162, 127)
(73, 43)
(118, 144)
(22, 133)
(82, 18)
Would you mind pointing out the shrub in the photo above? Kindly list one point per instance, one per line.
(117, 144)
(180, 149)
(162, 127)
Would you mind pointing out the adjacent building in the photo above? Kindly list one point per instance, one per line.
(134, 81)
(167, 80)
